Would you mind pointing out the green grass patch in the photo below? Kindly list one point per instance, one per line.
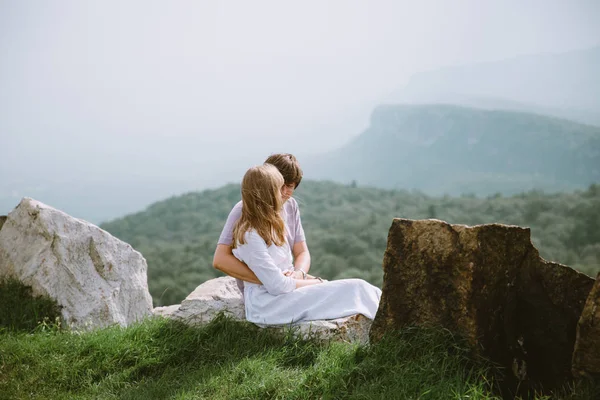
(21, 310)
(163, 359)
(232, 360)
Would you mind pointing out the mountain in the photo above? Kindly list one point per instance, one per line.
(494, 103)
(564, 85)
(445, 149)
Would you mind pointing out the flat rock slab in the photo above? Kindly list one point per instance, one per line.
(489, 284)
(96, 279)
(221, 295)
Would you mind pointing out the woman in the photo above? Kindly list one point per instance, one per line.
(259, 240)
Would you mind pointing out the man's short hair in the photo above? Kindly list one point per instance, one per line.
(288, 165)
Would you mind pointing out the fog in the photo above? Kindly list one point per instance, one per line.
(108, 106)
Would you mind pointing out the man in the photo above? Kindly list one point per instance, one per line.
(226, 262)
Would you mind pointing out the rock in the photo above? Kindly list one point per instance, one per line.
(586, 356)
(208, 300)
(96, 279)
(352, 329)
(2, 220)
(489, 284)
(221, 295)
(165, 311)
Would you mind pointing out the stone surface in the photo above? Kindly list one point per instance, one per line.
(207, 301)
(95, 278)
(222, 295)
(586, 356)
(2, 220)
(352, 329)
(488, 284)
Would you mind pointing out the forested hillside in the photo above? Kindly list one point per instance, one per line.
(347, 226)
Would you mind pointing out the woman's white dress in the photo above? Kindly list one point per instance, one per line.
(277, 301)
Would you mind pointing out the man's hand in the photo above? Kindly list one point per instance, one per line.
(296, 274)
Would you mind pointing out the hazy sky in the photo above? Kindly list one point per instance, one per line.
(172, 88)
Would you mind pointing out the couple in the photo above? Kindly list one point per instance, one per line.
(263, 245)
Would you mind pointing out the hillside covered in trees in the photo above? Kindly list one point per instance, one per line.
(346, 229)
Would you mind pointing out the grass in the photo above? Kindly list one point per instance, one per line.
(163, 359)
(20, 310)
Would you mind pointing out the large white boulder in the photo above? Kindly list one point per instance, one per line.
(221, 295)
(97, 279)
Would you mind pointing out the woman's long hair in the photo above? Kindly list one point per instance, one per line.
(261, 206)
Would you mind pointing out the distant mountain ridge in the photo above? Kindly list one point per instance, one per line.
(446, 149)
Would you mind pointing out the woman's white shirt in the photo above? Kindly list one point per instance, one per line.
(267, 262)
